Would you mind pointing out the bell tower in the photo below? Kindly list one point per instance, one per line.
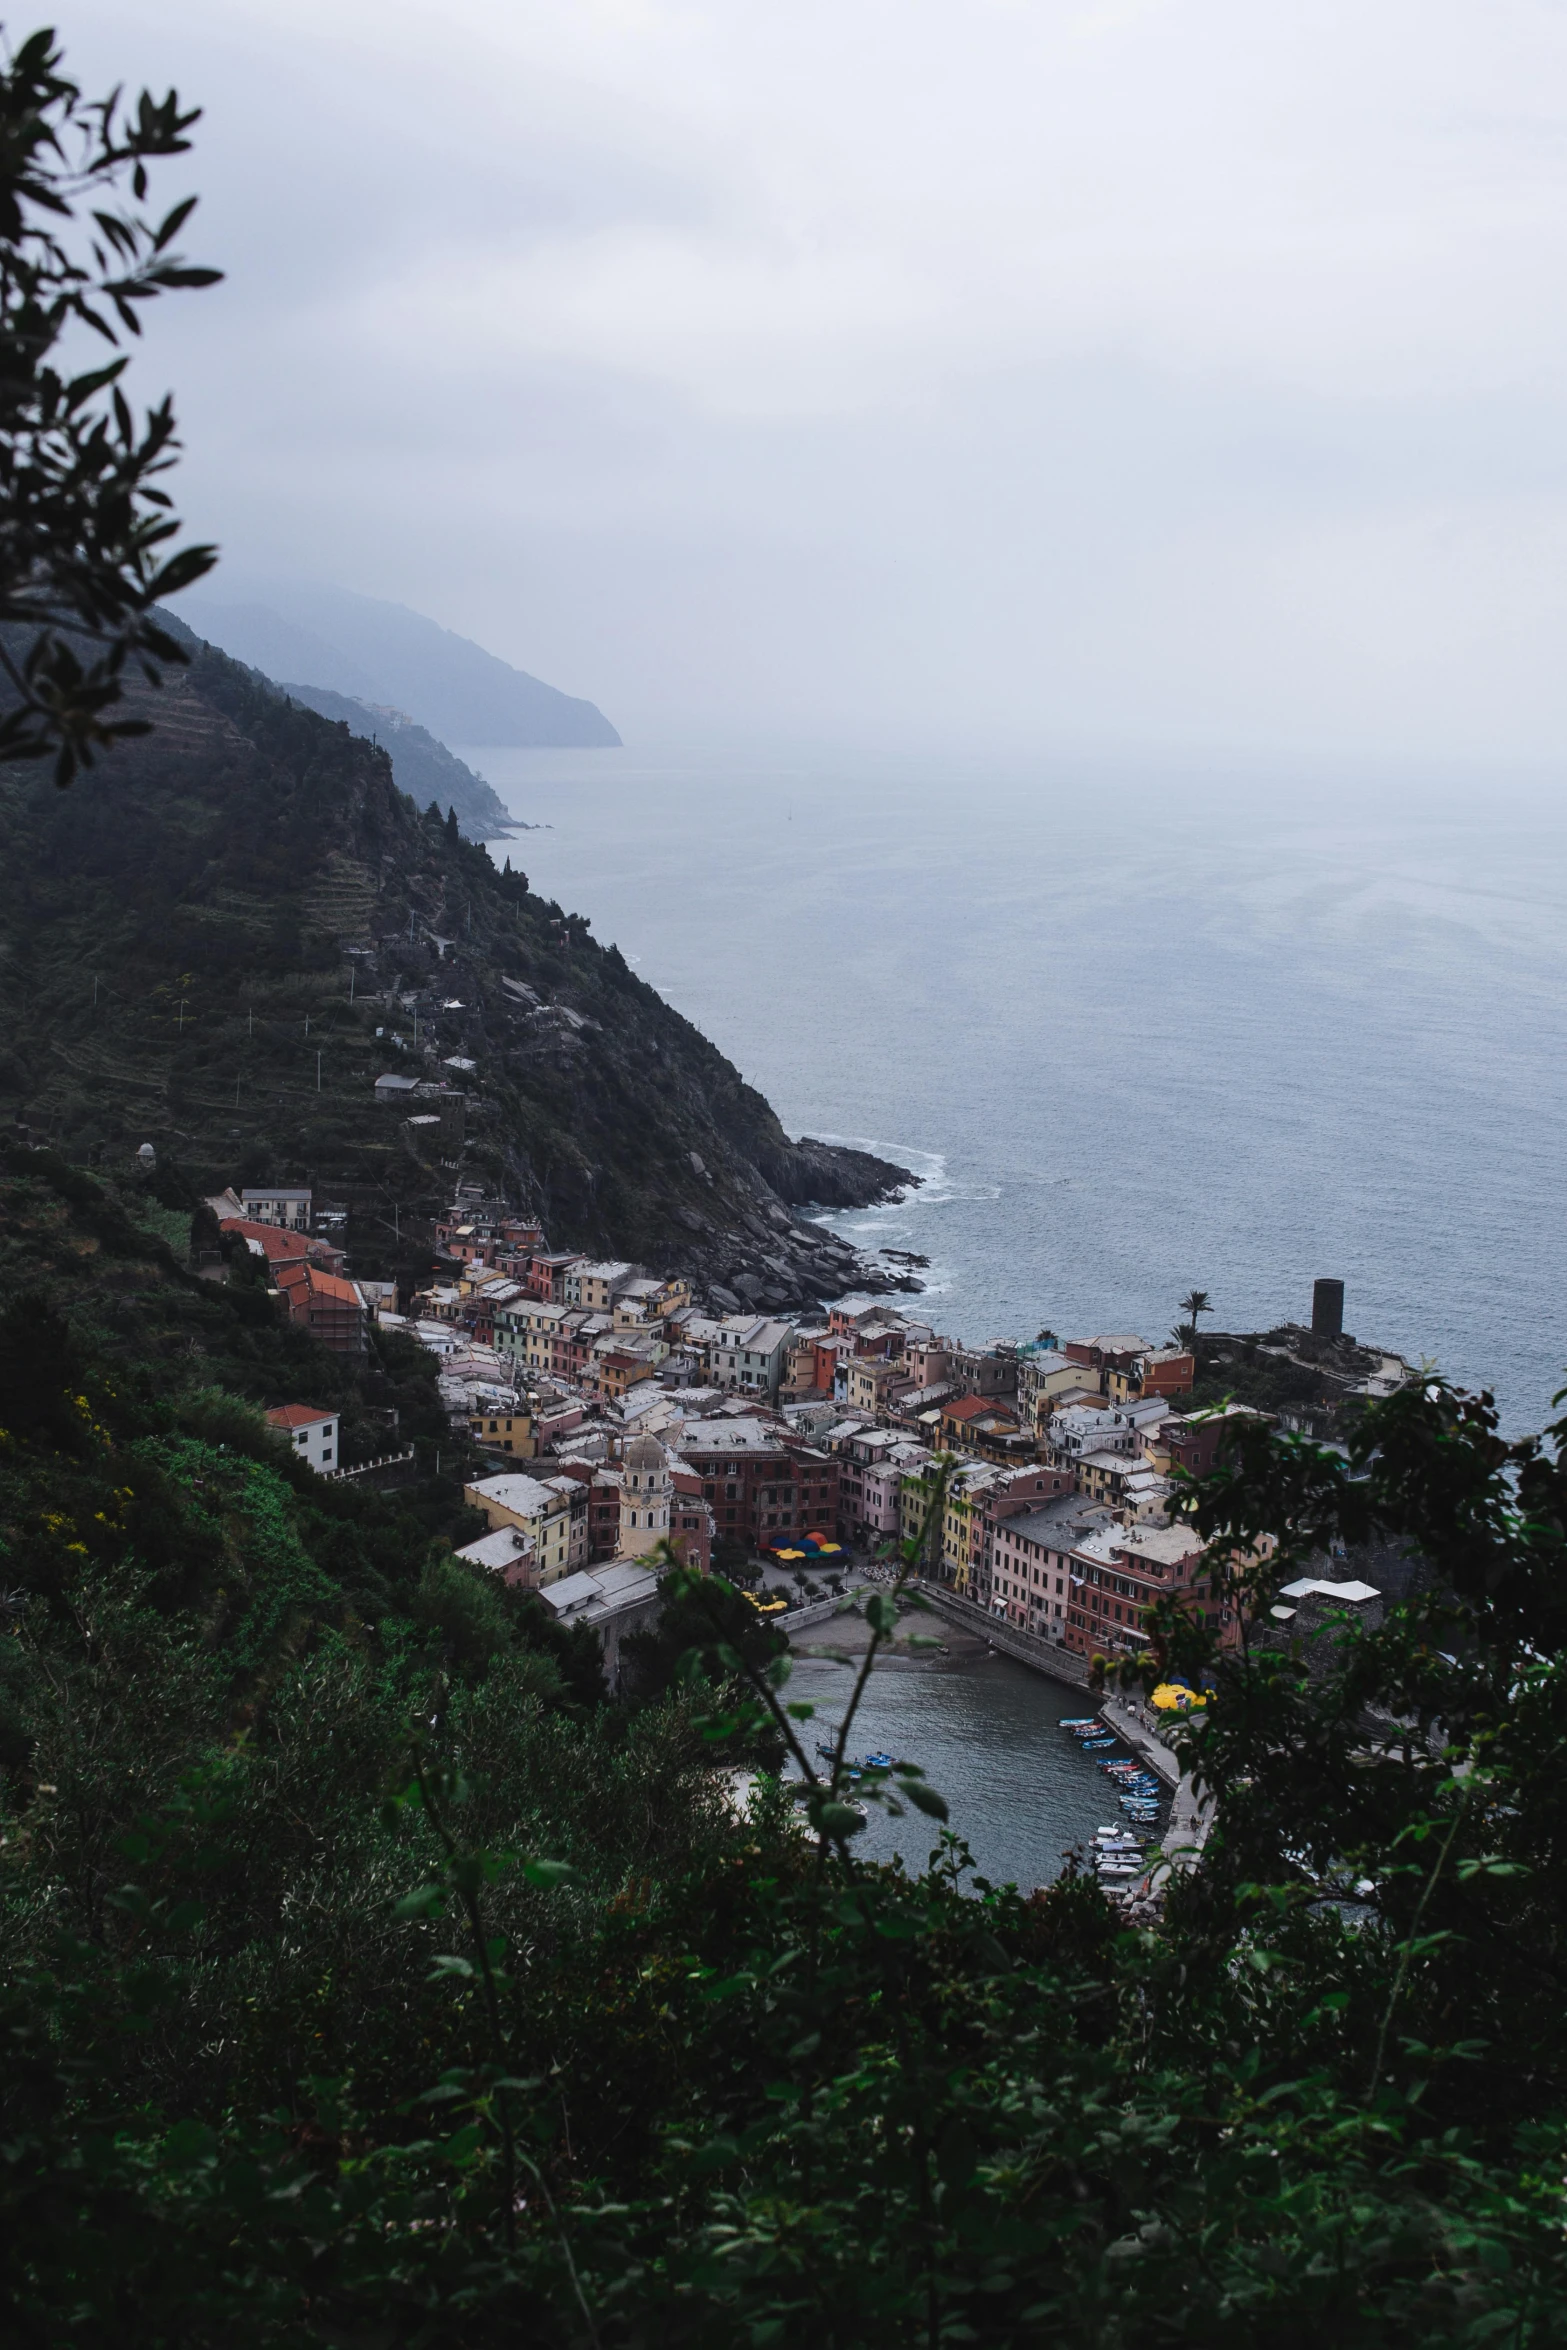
(645, 1490)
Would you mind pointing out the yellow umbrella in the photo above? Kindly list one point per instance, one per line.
(1173, 1697)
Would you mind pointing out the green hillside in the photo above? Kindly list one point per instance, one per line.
(212, 943)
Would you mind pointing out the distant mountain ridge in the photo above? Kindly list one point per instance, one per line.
(382, 653)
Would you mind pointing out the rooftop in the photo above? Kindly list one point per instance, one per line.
(526, 1495)
(1165, 1545)
(596, 1592)
(1352, 1594)
(1058, 1523)
(980, 1407)
(297, 1415)
(719, 1435)
(499, 1550)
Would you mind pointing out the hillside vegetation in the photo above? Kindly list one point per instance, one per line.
(422, 767)
(370, 1977)
(202, 941)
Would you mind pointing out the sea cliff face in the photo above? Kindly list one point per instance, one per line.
(222, 937)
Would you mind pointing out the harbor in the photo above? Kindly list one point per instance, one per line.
(1025, 1794)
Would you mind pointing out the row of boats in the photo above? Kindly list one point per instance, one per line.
(1119, 1852)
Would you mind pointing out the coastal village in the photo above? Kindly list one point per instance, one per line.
(610, 1413)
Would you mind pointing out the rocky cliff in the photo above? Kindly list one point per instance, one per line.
(218, 941)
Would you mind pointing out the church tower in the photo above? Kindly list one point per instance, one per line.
(645, 1491)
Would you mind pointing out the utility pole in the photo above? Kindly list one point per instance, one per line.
(353, 973)
(182, 1015)
(318, 1072)
(416, 1028)
(236, 1093)
(95, 991)
(307, 1023)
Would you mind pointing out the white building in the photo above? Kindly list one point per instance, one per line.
(312, 1434)
(748, 1354)
(614, 1599)
(286, 1204)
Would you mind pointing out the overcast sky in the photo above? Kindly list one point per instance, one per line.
(1145, 372)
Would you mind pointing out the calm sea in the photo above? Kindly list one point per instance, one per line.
(1137, 1033)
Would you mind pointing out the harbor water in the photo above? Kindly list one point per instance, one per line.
(986, 1733)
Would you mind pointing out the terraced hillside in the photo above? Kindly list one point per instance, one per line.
(218, 941)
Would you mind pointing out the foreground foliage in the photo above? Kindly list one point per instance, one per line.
(370, 1977)
(86, 525)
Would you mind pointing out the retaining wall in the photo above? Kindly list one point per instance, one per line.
(1060, 1663)
(816, 1613)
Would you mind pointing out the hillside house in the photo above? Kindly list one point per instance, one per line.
(312, 1435)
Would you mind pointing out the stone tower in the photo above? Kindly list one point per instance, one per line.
(645, 1489)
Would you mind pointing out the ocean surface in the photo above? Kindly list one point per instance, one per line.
(1135, 1032)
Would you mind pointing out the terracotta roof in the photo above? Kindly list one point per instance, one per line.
(974, 1407)
(297, 1415)
(272, 1237)
(297, 1274)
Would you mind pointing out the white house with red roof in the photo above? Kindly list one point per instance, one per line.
(312, 1434)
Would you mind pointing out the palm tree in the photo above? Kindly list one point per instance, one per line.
(1192, 1306)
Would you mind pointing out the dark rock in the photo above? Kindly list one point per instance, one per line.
(815, 1174)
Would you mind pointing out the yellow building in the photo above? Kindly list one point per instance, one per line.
(914, 1498)
(505, 1429)
(540, 1510)
(617, 1371)
(870, 1381)
(955, 1546)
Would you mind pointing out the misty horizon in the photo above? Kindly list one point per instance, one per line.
(1104, 376)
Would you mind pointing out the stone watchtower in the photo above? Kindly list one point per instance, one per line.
(645, 1490)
